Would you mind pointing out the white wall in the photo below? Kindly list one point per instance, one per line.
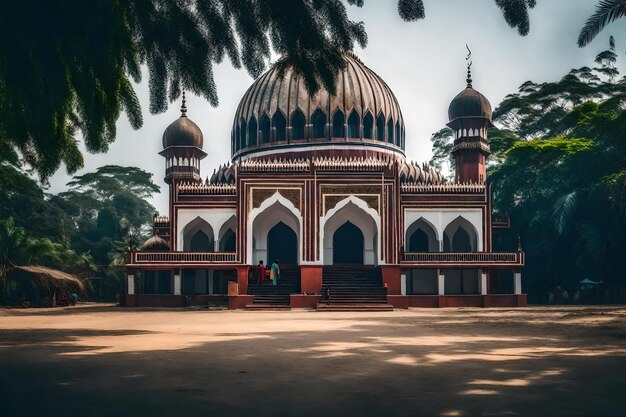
(214, 217)
(356, 211)
(441, 218)
(272, 211)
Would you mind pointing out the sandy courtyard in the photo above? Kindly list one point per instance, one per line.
(97, 360)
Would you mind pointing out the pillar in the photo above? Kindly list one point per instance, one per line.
(210, 289)
(216, 245)
(482, 284)
(131, 284)
(177, 283)
(391, 279)
(311, 279)
(517, 282)
(403, 284)
(242, 279)
(441, 282)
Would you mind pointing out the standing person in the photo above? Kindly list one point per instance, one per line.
(275, 272)
(260, 273)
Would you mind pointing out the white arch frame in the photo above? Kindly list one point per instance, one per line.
(193, 227)
(230, 224)
(276, 198)
(363, 206)
(434, 244)
(215, 217)
(460, 222)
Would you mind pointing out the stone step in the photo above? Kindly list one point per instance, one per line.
(354, 307)
(267, 307)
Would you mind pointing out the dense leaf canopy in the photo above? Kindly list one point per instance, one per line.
(68, 67)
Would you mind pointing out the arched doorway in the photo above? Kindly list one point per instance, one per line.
(282, 244)
(200, 242)
(348, 244)
(359, 215)
(270, 214)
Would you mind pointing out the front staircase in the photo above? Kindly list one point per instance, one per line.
(353, 288)
(270, 297)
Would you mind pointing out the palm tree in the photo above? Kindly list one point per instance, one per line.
(607, 11)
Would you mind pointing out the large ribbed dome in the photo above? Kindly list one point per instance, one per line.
(277, 114)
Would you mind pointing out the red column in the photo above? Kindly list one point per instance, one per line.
(311, 279)
(391, 278)
(242, 278)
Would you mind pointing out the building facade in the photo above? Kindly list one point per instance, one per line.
(321, 183)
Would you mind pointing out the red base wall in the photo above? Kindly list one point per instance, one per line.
(169, 300)
(236, 302)
(311, 279)
(303, 301)
(391, 278)
(506, 300)
(435, 301)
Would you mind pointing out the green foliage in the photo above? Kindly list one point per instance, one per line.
(105, 205)
(516, 13)
(18, 247)
(563, 180)
(442, 146)
(606, 12)
(68, 67)
(23, 199)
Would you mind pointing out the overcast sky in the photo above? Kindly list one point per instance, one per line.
(423, 62)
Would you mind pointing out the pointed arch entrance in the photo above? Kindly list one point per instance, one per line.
(349, 214)
(282, 244)
(274, 230)
(348, 245)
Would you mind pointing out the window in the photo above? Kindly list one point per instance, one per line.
(380, 127)
(338, 125)
(368, 126)
(354, 128)
(319, 124)
(297, 125)
(279, 125)
(265, 129)
(398, 135)
(253, 131)
(390, 131)
(244, 129)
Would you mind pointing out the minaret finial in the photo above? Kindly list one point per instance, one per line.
(469, 67)
(183, 107)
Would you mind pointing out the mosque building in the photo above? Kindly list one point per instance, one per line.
(321, 183)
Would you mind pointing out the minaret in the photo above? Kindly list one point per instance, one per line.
(470, 118)
(182, 149)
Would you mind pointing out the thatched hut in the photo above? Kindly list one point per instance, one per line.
(40, 286)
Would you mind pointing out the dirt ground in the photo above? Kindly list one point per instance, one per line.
(99, 360)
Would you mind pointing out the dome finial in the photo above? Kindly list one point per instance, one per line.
(183, 107)
(469, 67)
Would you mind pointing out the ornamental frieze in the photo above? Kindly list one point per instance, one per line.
(259, 195)
(332, 194)
(330, 201)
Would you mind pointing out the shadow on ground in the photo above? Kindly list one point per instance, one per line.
(535, 362)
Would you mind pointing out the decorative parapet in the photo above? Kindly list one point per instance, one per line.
(203, 188)
(275, 165)
(149, 257)
(351, 164)
(508, 259)
(417, 188)
(159, 220)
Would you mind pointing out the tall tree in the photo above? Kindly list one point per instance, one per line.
(104, 205)
(67, 66)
